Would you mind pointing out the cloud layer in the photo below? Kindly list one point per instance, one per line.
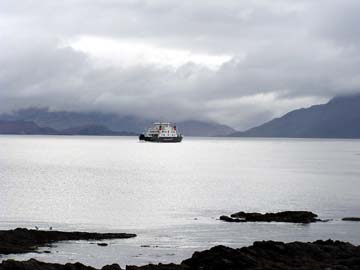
(236, 62)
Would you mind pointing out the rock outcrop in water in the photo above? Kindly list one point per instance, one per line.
(263, 255)
(351, 219)
(24, 240)
(286, 216)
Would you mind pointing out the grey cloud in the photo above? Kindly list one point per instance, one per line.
(293, 53)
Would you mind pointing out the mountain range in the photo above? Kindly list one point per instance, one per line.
(21, 127)
(339, 118)
(44, 121)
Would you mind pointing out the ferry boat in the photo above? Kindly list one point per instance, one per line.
(161, 132)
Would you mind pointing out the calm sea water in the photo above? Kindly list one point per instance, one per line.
(171, 195)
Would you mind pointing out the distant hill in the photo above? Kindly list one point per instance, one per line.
(61, 120)
(64, 120)
(94, 130)
(30, 128)
(24, 127)
(339, 118)
(197, 128)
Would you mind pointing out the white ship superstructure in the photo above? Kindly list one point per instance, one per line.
(161, 132)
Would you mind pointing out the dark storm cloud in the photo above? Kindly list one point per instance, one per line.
(283, 55)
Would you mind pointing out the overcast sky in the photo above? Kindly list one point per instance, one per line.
(236, 62)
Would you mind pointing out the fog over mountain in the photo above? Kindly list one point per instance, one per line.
(97, 123)
(339, 118)
(236, 62)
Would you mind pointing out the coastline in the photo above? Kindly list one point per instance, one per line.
(22, 240)
(173, 244)
(261, 255)
(319, 254)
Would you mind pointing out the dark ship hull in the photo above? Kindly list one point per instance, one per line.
(142, 137)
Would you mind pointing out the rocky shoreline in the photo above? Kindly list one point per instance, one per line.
(267, 255)
(23, 240)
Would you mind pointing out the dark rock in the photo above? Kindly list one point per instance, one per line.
(147, 246)
(229, 219)
(36, 265)
(114, 266)
(160, 266)
(351, 219)
(262, 255)
(286, 216)
(102, 244)
(24, 240)
(33, 264)
(271, 255)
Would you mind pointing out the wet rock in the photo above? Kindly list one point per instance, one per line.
(36, 265)
(114, 266)
(229, 219)
(286, 216)
(24, 240)
(271, 255)
(351, 219)
(262, 255)
(33, 264)
(160, 266)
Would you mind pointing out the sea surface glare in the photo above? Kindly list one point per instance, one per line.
(172, 195)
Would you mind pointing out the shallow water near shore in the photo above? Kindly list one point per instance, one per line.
(172, 194)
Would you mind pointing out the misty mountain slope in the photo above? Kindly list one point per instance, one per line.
(24, 127)
(21, 127)
(339, 118)
(197, 128)
(94, 130)
(63, 120)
